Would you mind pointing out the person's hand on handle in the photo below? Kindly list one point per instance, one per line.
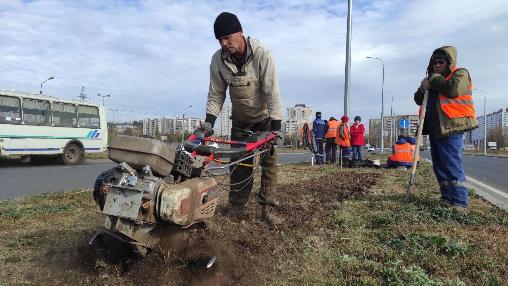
(425, 84)
(204, 130)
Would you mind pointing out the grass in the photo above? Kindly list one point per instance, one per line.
(97, 156)
(381, 239)
(375, 239)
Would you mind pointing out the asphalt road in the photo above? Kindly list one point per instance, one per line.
(21, 179)
(488, 170)
(18, 180)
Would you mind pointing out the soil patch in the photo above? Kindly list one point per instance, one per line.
(247, 251)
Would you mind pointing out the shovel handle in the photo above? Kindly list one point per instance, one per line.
(418, 140)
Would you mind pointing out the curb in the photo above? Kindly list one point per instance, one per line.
(481, 155)
(491, 194)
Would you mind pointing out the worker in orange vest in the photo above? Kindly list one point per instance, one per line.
(330, 145)
(343, 139)
(449, 113)
(403, 151)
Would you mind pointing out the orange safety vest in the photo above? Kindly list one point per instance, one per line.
(343, 142)
(460, 106)
(403, 153)
(332, 129)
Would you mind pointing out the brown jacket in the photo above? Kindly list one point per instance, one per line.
(439, 124)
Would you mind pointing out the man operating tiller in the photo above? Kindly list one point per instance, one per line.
(247, 69)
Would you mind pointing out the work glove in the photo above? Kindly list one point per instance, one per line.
(279, 139)
(204, 130)
(276, 126)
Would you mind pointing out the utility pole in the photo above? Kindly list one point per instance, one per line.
(82, 94)
(347, 80)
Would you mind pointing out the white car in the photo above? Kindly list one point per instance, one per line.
(371, 149)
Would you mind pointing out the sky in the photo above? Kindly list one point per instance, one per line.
(153, 57)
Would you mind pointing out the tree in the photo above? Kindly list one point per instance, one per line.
(496, 135)
(132, 132)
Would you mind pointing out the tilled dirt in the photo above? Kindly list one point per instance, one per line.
(247, 250)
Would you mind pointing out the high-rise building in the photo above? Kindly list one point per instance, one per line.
(163, 125)
(497, 128)
(392, 128)
(225, 120)
(296, 117)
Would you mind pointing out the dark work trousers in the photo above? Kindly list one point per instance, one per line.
(357, 152)
(241, 176)
(447, 164)
(331, 150)
(320, 156)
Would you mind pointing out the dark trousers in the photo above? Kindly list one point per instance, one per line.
(320, 156)
(447, 164)
(241, 179)
(331, 150)
(357, 152)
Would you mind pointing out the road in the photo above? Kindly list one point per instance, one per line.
(18, 179)
(488, 170)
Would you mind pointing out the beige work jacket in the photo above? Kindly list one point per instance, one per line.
(254, 90)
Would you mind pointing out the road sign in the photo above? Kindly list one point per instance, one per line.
(404, 123)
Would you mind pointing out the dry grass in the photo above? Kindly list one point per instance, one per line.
(374, 239)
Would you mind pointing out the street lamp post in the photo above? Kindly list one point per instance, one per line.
(382, 102)
(114, 125)
(485, 125)
(392, 124)
(183, 122)
(103, 96)
(347, 79)
(49, 78)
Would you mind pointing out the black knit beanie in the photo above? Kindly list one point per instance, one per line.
(226, 24)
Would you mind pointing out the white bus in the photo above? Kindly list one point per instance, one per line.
(36, 126)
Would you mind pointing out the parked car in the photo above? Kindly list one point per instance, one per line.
(371, 149)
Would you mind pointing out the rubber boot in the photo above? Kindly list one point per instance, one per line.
(236, 211)
(269, 217)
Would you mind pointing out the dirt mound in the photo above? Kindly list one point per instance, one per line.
(247, 250)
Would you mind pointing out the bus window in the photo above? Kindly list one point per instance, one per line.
(64, 114)
(88, 116)
(36, 112)
(10, 110)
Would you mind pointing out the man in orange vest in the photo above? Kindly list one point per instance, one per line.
(330, 145)
(403, 151)
(343, 139)
(450, 112)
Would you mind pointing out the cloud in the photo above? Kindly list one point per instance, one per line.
(153, 56)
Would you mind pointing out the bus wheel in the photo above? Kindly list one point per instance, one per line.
(72, 154)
